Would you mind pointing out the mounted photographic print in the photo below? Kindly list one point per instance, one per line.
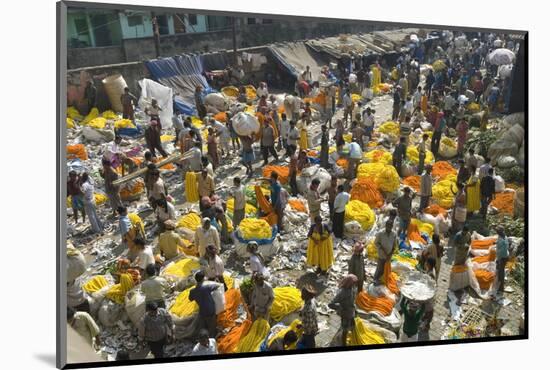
(238, 185)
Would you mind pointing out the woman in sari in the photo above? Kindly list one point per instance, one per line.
(473, 192)
(320, 248)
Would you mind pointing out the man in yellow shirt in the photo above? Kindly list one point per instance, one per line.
(169, 241)
(205, 183)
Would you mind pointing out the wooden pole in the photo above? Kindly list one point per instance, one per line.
(171, 158)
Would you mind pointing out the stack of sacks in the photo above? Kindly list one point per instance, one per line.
(485, 274)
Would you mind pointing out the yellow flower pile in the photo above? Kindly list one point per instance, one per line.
(287, 300)
(256, 335)
(360, 212)
(109, 114)
(124, 123)
(378, 156)
(413, 155)
(444, 192)
(182, 306)
(191, 187)
(191, 221)
(254, 228)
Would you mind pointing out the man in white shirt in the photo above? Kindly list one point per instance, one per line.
(154, 287)
(215, 267)
(145, 255)
(284, 128)
(417, 97)
(449, 102)
(409, 107)
(206, 235)
(292, 139)
(113, 150)
(205, 346)
(239, 201)
(223, 133)
(368, 121)
(355, 156)
(89, 203)
(194, 160)
(342, 198)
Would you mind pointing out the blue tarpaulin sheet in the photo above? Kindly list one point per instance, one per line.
(182, 73)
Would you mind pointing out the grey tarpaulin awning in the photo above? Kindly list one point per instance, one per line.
(295, 56)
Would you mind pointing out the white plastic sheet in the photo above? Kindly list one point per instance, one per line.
(164, 95)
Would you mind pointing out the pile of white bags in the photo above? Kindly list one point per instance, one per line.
(310, 173)
(216, 102)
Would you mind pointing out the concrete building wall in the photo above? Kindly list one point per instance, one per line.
(143, 30)
(137, 49)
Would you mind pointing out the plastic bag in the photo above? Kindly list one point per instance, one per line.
(360, 212)
(506, 162)
(448, 148)
(287, 300)
(109, 313)
(76, 264)
(97, 136)
(310, 173)
(245, 124)
(135, 306)
(218, 296)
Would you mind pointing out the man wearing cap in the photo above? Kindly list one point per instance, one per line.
(206, 235)
(262, 297)
(425, 188)
(170, 241)
(385, 242)
(308, 315)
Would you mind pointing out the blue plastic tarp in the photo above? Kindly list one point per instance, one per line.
(183, 73)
